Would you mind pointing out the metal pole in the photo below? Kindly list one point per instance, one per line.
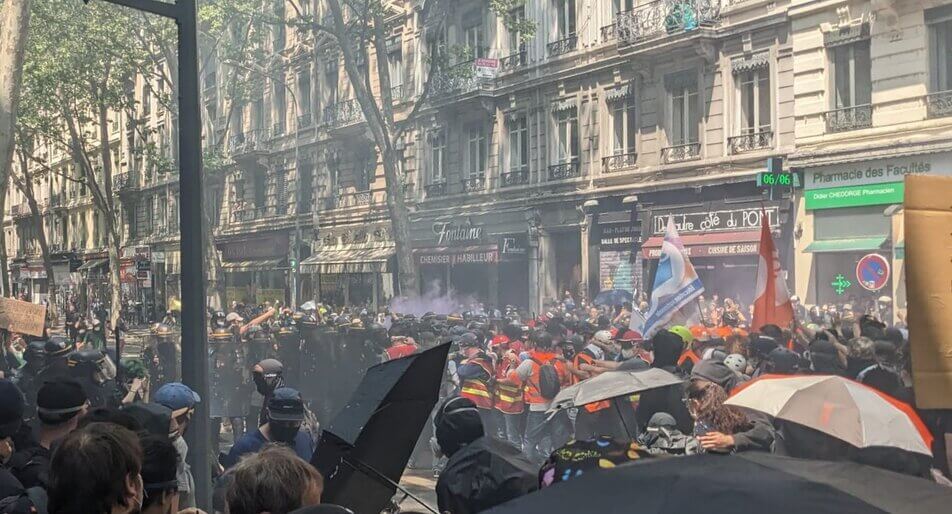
(194, 343)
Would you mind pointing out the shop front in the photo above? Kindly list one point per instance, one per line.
(721, 235)
(351, 266)
(137, 283)
(478, 259)
(256, 268)
(851, 245)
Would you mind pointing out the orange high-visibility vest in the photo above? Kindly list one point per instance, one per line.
(689, 355)
(508, 393)
(476, 389)
(584, 358)
(533, 389)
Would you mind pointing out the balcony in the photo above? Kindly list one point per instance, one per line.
(304, 120)
(456, 80)
(121, 182)
(609, 32)
(750, 142)
(256, 213)
(474, 183)
(939, 104)
(849, 118)
(681, 153)
(435, 189)
(248, 142)
(619, 162)
(355, 198)
(514, 61)
(564, 170)
(562, 46)
(277, 130)
(343, 113)
(398, 93)
(666, 17)
(19, 211)
(515, 178)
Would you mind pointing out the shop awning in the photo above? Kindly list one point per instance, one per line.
(93, 264)
(257, 265)
(712, 244)
(349, 260)
(858, 244)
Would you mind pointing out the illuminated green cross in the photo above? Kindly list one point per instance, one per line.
(840, 284)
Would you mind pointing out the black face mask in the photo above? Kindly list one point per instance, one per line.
(261, 384)
(284, 433)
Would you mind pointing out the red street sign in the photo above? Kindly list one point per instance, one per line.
(872, 272)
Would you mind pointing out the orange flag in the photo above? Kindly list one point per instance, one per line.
(772, 300)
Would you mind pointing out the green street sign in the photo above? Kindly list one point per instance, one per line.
(840, 284)
(781, 179)
(854, 196)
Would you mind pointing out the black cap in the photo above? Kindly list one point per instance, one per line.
(60, 398)
(286, 405)
(468, 339)
(154, 418)
(784, 360)
(11, 408)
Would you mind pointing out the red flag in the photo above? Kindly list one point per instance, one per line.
(771, 299)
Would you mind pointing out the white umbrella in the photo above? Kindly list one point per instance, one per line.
(842, 408)
(612, 384)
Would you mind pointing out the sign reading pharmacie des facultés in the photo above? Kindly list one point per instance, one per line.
(878, 182)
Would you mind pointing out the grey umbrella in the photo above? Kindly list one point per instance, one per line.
(612, 384)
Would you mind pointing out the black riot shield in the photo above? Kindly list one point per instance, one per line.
(288, 341)
(229, 377)
(166, 359)
(317, 365)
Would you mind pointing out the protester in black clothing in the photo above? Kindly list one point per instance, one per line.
(11, 417)
(158, 475)
(666, 347)
(61, 403)
(758, 435)
(267, 375)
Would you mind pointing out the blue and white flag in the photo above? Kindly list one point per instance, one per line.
(676, 284)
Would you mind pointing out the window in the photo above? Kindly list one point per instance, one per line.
(330, 83)
(438, 155)
(278, 30)
(754, 99)
(624, 125)
(620, 6)
(146, 99)
(940, 59)
(278, 103)
(96, 235)
(565, 10)
(260, 189)
(684, 108)
(281, 192)
(474, 36)
(851, 75)
(516, 44)
(477, 149)
(395, 63)
(304, 92)
(518, 144)
(305, 186)
(257, 113)
(567, 141)
(161, 211)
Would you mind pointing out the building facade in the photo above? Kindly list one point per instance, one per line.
(550, 163)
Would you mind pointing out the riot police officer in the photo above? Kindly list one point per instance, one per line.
(56, 349)
(162, 355)
(226, 381)
(27, 378)
(96, 372)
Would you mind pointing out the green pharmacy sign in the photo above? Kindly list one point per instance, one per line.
(840, 284)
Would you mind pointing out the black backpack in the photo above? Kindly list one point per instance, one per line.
(549, 383)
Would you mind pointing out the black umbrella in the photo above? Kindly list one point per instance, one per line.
(483, 474)
(363, 452)
(752, 482)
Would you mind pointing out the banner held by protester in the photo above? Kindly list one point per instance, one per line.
(22, 317)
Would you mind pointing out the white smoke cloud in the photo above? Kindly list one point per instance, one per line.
(433, 301)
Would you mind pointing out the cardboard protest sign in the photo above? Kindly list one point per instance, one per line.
(22, 317)
(928, 234)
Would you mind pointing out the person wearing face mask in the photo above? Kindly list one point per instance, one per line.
(161, 495)
(267, 376)
(97, 470)
(181, 399)
(285, 417)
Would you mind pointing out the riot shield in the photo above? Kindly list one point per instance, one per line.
(229, 377)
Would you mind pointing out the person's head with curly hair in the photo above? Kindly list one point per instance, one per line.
(705, 401)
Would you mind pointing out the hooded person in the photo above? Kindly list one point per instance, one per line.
(267, 376)
(666, 347)
(663, 437)
(482, 472)
(782, 361)
(824, 358)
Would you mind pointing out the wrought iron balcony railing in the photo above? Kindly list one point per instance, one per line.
(564, 170)
(619, 162)
(277, 129)
(355, 198)
(257, 213)
(849, 118)
(435, 189)
(609, 32)
(474, 183)
(248, 142)
(304, 120)
(562, 46)
(455, 80)
(513, 61)
(515, 178)
(121, 182)
(680, 153)
(753, 141)
(939, 104)
(397, 93)
(666, 17)
(343, 113)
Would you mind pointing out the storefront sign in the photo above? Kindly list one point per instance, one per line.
(746, 218)
(615, 271)
(486, 68)
(452, 233)
(712, 250)
(453, 256)
(513, 247)
(136, 252)
(269, 247)
(877, 172)
(854, 196)
(872, 272)
(615, 236)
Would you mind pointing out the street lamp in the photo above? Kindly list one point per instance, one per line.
(194, 344)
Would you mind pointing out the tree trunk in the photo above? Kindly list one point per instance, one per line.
(14, 27)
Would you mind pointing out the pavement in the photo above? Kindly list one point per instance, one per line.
(421, 484)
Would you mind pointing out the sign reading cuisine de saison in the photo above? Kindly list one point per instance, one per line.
(716, 220)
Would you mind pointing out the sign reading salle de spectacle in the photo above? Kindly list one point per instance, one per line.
(878, 182)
